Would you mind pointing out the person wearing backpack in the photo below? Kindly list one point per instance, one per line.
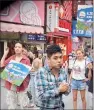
(78, 79)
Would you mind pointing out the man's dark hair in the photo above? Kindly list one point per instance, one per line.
(20, 42)
(52, 49)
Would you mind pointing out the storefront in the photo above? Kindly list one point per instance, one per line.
(22, 17)
(34, 40)
(59, 28)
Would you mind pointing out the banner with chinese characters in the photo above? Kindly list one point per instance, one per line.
(15, 72)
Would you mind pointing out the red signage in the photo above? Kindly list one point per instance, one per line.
(65, 24)
(62, 17)
(50, 7)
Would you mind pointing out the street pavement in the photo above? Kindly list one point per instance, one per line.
(3, 92)
(3, 105)
(67, 100)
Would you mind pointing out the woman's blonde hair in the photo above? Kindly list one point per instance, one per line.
(81, 50)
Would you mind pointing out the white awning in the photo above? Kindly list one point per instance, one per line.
(9, 27)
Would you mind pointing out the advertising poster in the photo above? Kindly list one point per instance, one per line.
(81, 29)
(24, 12)
(85, 13)
(15, 72)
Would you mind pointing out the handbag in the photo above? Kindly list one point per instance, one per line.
(63, 105)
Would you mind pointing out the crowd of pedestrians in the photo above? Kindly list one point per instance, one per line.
(48, 80)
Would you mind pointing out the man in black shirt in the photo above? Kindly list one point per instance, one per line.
(89, 75)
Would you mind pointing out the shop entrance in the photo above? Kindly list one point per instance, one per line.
(30, 46)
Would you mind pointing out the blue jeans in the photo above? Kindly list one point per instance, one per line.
(78, 84)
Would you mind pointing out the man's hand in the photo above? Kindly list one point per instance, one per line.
(63, 87)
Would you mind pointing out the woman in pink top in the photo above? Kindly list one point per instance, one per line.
(16, 94)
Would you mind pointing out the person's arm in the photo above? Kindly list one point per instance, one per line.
(27, 79)
(3, 62)
(89, 66)
(89, 74)
(28, 62)
(67, 82)
(88, 71)
(43, 87)
(36, 64)
(70, 77)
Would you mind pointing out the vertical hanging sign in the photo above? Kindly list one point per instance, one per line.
(50, 17)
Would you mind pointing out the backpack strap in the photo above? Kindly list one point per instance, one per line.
(74, 62)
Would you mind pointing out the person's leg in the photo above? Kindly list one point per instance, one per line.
(83, 97)
(74, 86)
(74, 91)
(11, 99)
(23, 99)
(82, 89)
(90, 101)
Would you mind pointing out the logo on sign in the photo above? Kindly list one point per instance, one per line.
(50, 7)
(85, 13)
(82, 14)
